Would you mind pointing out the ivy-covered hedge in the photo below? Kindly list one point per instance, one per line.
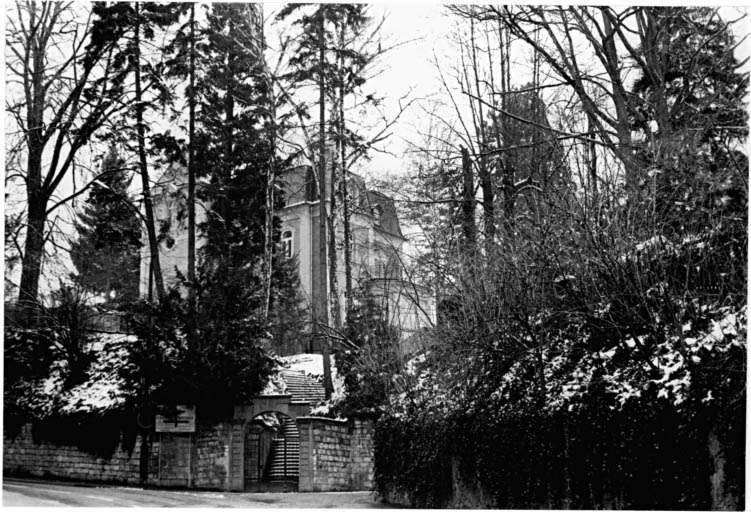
(645, 456)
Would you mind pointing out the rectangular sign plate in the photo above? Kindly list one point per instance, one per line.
(179, 418)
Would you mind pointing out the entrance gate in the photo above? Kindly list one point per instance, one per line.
(265, 451)
(272, 453)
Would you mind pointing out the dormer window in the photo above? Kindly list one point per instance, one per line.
(287, 243)
(377, 214)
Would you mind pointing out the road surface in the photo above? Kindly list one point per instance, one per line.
(38, 493)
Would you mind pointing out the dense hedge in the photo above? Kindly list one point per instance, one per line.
(641, 457)
(98, 434)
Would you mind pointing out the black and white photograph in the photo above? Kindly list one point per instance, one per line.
(419, 255)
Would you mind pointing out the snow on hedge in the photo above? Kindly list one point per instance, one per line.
(104, 390)
(625, 370)
(666, 365)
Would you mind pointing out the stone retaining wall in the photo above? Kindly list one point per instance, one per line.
(22, 456)
(212, 456)
(173, 461)
(335, 455)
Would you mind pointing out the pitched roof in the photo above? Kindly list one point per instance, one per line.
(300, 185)
(389, 219)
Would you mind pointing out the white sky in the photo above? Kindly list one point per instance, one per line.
(428, 28)
(424, 29)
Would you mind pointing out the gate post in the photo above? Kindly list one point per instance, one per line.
(307, 467)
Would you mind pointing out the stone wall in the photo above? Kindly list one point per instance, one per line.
(212, 456)
(199, 460)
(361, 456)
(335, 455)
(22, 456)
(173, 452)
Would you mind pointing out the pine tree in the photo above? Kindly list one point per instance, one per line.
(106, 253)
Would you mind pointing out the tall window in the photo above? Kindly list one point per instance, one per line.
(377, 213)
(287, 243)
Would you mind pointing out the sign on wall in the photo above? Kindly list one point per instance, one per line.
(176, 418)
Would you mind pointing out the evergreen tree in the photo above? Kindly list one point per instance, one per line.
(694, 119)
(234, 154)
(330, 53)
(288, 316)
(106, 253)
(135, 25)
(371, 364)
(333, 51)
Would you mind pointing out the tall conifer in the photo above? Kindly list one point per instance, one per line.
(106, 253)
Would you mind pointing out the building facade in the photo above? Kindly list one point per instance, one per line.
(376, 242)
(376, 248)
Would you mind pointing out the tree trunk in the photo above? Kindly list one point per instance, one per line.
(323, 309)
(33, 251)
(143, 459)
(345, 190)
(336, 316)
(488, 208)
(722, 498)
(623, 126)
(591, 155)
(192, 186)
(347, 245)
(156, 268)
(269, 220)
(469, 230)
(508, 196)
(229, 119)
(485, 175)
(31, 266)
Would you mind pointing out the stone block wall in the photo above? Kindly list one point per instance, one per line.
(335, 455)
(212, 456)
(199, 460)
(237, 456)
(361, 454)
(22, 456)
(173, 459)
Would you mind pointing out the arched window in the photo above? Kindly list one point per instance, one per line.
(287, 243)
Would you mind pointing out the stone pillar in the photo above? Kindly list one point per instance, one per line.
(307, 463)
(237, 456)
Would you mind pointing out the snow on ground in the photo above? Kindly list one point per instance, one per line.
(275, 386)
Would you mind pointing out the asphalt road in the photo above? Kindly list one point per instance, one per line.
(38, 493)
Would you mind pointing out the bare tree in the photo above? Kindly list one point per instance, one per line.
(62, 87)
